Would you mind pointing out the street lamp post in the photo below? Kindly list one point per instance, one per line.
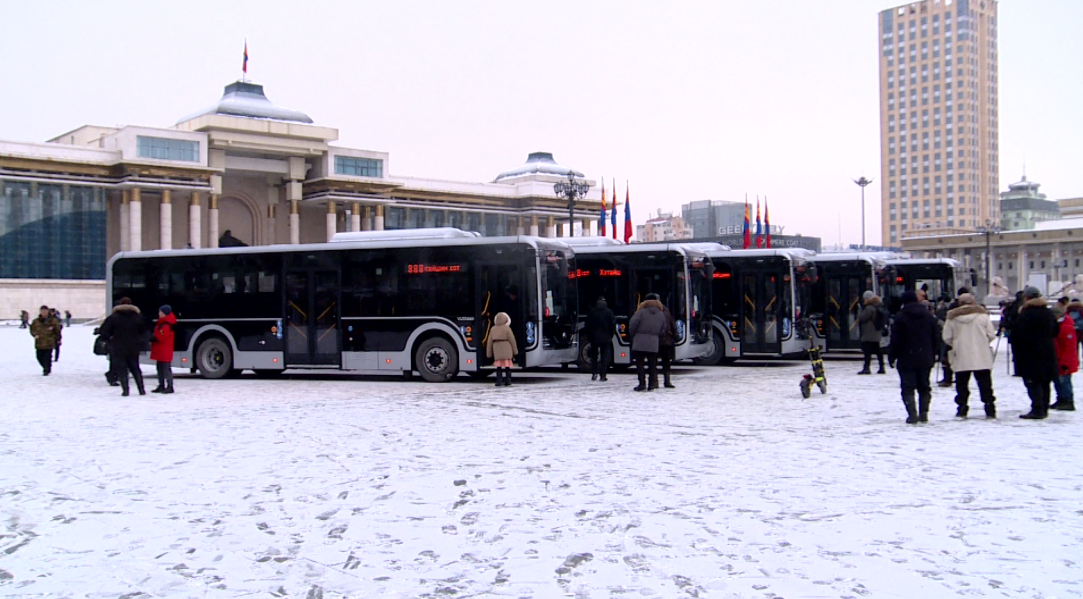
(862, 183)
(572, 190)
(988, 230)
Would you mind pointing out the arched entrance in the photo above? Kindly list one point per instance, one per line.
(238, 214)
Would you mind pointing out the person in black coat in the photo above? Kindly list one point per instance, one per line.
(1033, 338)
(915, 341)
(599, 328)
(125, 330)
(667, 348)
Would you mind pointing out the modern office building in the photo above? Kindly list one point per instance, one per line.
(938, 117)
(1023, 206)
(243, 172)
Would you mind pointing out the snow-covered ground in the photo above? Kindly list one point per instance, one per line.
(730, 486)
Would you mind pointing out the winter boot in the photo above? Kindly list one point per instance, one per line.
(865, 371)
(507, 377)
(139, 385)
(923, 409)
(667, 383)
(499, 377)
(168, 389)
(990, 411)
(911, 411)
(159, 389)
(962, 411)
(1066, 406)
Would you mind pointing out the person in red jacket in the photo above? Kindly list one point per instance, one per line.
(161, 349)
(1067, 363)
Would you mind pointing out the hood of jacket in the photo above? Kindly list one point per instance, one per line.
(647, 304)
(967, 312)
(874, 301)
(126, 308)
(168, 319)
(502, 319)
(1035, 302)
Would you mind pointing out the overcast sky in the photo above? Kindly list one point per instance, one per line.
(686, 100)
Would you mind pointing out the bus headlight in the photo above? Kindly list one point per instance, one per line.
(680, 330)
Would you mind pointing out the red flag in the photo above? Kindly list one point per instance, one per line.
(627, 216)
(759, 228)
(613, 214)
(601, 223)
(767, 221)
(748, 233)
(244, 65)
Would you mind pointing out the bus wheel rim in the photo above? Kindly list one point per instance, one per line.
(436, 360)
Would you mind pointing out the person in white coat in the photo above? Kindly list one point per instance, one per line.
(968, 331)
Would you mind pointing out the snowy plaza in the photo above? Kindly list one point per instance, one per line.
(332, 486)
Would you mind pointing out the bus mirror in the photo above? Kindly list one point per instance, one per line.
(708, 269)
(813, 274)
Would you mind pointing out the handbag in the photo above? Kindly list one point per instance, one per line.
(101, 346)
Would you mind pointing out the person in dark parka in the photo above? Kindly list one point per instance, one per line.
(599, 329)
(645, 329)
(1033, 338)
(914, 344)
(124, 330)
(667, 348)
(46, 332)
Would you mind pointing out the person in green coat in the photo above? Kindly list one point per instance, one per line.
(46, 331)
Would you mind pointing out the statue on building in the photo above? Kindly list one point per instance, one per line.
(227, 240)
(998, 289)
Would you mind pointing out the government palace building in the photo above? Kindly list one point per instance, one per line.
(244, 171)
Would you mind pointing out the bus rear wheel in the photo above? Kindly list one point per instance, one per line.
(718, 355)
(214, 358)
(585, 363)
(436, 360)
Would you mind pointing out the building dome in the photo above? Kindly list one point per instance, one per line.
(539, 163)
(246, 99)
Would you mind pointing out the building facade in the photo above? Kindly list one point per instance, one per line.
(244, 171)
(1023, 206)
(663, 227)
(1049, 256)
(938, 117)
(714, 218)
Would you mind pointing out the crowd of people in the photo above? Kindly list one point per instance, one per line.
(959, 336)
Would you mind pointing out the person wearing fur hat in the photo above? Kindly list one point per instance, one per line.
(645, 329)
(914, 343)
(500, 346)
(1067, 364)
(870, 322)
(161, 349)
(968, 331)
(1033, 338)
(124, 330)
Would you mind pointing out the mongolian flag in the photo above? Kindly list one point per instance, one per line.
(613, 215)
(601, 221)
(759, 228)
(767, 221)
(244, 65)
(748, 238)
(627, 216)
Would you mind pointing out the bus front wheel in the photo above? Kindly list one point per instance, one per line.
(436, 360)
(214, 358)
(718, 356)
(585, 363)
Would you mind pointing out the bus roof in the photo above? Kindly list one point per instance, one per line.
(925, 262)
(791, 253)
(390, 242)
(684, 249)
(871, 258)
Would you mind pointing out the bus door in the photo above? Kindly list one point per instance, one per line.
(843, 306)
(500, 289)
(312, 317)
(761, 313)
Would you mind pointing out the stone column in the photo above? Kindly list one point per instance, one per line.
(355, 217)
(271, 237)
(366, 223)
(125, 221)
(212, 222)
(195, 219)
(378, 225)
(534, 225)
(551, 228)
(519, 230)
(332, 225)
(1022, 267)
(165, 221)
(295, 222)
(135, 220)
